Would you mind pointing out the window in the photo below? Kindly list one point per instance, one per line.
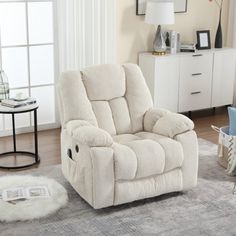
(27, 56)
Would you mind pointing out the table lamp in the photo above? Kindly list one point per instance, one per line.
(159, 13)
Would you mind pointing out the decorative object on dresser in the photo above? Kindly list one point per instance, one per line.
(188, 47)
(180, 6)
(219, 37)
(115, 147)
(203, 39)
(190, 81)
(4, 86)
(172, 40)
(158, 13)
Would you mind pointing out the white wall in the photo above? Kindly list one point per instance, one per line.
(133, 35)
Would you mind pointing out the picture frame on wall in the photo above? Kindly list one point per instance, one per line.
(180, 6)
(203, 40)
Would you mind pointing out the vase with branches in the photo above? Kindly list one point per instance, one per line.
(219, 37)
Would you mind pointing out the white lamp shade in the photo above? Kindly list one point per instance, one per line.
(160, 13)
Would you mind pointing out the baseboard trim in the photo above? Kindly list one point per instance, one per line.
(30, 129)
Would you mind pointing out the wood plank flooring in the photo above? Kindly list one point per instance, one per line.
(204, 119)
(49, 148)
(49, 141)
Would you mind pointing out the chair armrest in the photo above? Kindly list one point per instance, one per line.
(88, 134)
(74, 124)
(173, 124)
(152, 116)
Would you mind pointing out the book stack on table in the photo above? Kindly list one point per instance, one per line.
(14, 103)
(188, 47)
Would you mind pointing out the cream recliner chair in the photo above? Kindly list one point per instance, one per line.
(115, 147)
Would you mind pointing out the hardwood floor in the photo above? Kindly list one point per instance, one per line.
(204, 119)
(49, 141)
(49, 148)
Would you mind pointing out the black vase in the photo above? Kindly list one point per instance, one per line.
(219, 38)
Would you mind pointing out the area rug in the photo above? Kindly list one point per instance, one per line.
(32, 208)
(208, 209)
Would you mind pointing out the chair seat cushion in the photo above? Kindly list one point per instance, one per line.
(145, 154)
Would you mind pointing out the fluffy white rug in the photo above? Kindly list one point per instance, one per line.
(33, 208)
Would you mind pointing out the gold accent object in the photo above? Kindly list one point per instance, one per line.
(159, 53)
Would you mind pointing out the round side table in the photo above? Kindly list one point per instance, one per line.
(13, 111)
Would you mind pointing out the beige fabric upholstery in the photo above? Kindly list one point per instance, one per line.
(144, 148)
(103, 177)
(120, 114)
(127, 149)
(88, 134)
(173, 150)
(152, 116)
(70, 91)
(100, 86)
(128, 191)
(147, 152)
(190, 165)
(103, 113)
(92, 136)
(79, 170)
(72, 125)
(173, 124)
(137, 95)
(125, 168)
(125, 138)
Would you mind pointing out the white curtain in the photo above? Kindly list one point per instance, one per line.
(231, 37)
(86, 33)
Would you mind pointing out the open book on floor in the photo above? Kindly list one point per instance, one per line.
(20, 193)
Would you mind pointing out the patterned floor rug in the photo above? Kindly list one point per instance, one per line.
(209, 209)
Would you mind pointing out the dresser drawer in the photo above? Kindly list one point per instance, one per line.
(196, 100)
(193, 66)
(195, 82)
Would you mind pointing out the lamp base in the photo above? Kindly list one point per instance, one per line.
(159, 53)
(159, 44)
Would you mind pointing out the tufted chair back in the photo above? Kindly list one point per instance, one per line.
(111, 97)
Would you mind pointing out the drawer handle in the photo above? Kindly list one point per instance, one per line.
(194, 93)
(196, 74)
(197, 55)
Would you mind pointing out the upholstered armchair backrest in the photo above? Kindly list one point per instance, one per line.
(112, 97)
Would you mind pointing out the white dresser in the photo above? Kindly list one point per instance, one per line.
(190, 81)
